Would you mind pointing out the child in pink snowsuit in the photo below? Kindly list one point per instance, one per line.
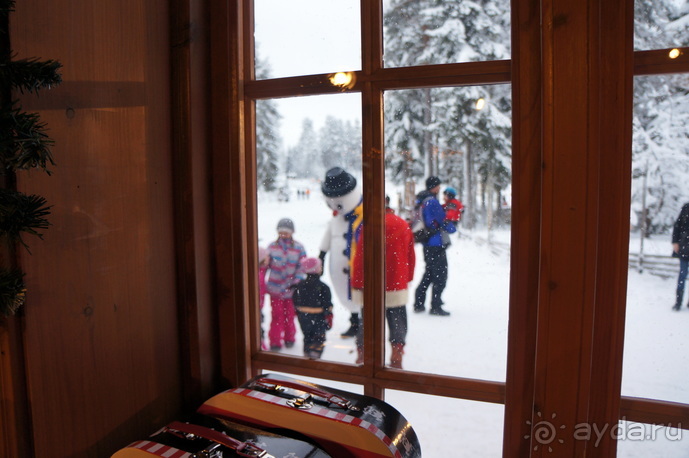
(263, 262)
(285, 255)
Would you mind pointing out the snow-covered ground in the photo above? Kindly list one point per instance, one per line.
(472, 341)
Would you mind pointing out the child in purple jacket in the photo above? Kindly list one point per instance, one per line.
(286, 255)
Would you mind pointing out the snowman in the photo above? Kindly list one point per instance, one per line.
(340, 238)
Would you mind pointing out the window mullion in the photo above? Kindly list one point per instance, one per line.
(373, 191)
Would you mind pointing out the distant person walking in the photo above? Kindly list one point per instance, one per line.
(286, 255)
(680, 249)
(400, 260)
(434, 248)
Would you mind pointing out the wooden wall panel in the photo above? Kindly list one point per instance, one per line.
(101, 330)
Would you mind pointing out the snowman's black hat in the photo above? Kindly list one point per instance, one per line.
(338, 182)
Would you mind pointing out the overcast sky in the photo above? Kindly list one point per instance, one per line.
(302, 37)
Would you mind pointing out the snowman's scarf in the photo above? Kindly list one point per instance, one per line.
(354, 218)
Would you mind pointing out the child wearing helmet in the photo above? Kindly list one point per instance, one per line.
(453, 207)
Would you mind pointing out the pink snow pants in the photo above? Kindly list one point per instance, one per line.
(282, 321)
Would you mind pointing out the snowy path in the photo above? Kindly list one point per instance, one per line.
(472, 341)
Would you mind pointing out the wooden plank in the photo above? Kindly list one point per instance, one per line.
(101, 324)
(658, 61)
(580, 325)
(655, 412)
(456, 387)
(15, 424)
(373, 171)
(460, 74)
(613, 58)
(527, 146)
(190, 131)
(232, 224)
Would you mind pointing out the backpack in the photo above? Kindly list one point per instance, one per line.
(417, 224)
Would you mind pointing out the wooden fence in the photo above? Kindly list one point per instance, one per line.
(664, 266)
(660, 265)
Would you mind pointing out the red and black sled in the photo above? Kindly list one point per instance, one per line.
(344, 424)
(214, 438)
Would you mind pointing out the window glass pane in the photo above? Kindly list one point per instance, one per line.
(427, 32)
(656, 350)
(451, 427)
(458, 298)
(638, 440)
(660, 24)
(303, 37)
(292, 163)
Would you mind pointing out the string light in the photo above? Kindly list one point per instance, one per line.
(342, 79)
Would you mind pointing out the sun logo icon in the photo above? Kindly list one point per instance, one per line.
(544, 432)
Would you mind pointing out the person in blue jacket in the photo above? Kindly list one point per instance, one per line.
(434, 248)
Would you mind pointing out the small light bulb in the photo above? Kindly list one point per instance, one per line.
(342, 79)
(674, 53)
(480, 103)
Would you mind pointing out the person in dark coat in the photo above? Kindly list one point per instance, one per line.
(433, 249)
(680, 249)
(313, 300)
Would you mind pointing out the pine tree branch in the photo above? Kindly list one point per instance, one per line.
(12, 291)
(21, 213)
(30, 75)
(23, 141)
(6, 6)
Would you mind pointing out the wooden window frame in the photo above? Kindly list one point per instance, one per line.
(571, 181)
(371, 82)
(642, 410)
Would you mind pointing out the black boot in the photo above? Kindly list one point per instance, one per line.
(353, 328)
(678, 299)
(438, 311)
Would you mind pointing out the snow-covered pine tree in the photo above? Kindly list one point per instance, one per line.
(404, 133)
(331, 143)
(268, 140)
(433, 123)
(305, 156)
(352, 144)
(660, 150)
(407, 112)
(339, 143)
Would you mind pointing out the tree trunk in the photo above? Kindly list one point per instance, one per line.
(427, 139)
(490, 202)
(469, 189)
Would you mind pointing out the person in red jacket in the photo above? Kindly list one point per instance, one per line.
(400, 261)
